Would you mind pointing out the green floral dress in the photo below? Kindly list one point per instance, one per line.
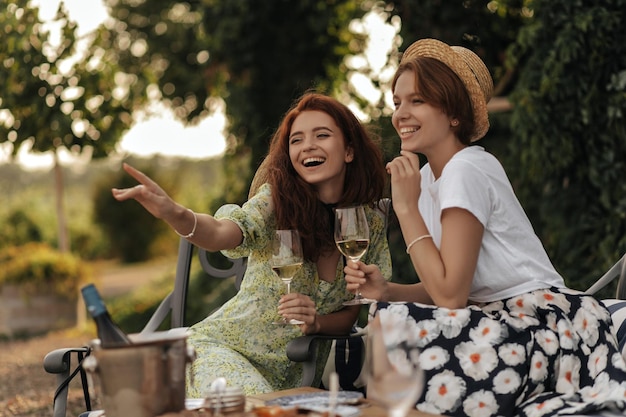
(239, 341)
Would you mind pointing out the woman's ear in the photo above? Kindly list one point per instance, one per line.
(349, 155)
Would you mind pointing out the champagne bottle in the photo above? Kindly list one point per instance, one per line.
(109, 333)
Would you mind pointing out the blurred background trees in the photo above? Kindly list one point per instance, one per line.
(56, 95)
(561, 64)
(568, 130)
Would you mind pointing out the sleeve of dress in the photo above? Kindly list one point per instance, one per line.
(378, 251)
(254, 218)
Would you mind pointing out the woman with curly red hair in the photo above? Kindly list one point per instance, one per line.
(320, 157)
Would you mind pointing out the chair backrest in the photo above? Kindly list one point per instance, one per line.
(617, 306)
(616, 271)
(176, 301)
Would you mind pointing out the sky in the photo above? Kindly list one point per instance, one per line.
(163, 134)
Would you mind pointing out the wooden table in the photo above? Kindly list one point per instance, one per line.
(367, 409)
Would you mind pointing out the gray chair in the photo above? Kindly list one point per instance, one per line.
(616, 306)
(616, 271)
(59, 361)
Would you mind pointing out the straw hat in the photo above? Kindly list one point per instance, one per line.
(468, 67)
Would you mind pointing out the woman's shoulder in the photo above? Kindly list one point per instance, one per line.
(476, 154)
(473, 158)
(264, 189)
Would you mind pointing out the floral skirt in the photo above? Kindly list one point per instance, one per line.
(545, 353)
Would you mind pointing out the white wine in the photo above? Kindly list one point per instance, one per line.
(354, 248)
(286, 272)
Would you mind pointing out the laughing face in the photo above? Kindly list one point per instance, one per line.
(318, 152)
(421, 126)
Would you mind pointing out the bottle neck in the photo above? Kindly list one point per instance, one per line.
(93, 301)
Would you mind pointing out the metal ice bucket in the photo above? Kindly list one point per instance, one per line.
(144, 379)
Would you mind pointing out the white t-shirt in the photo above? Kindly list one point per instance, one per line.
(512, 259)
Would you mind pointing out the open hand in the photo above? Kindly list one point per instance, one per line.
(147, 193)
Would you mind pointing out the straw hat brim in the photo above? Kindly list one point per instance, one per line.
(469, 68)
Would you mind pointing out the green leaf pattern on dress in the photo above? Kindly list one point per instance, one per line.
(239, 341)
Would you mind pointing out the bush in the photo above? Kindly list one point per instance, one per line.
(37, 266)
(568, 126)
(19, 228)
(130, 229)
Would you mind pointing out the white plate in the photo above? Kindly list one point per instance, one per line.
(340, 410)
(194, 403)
(318, 402)
(316, 399)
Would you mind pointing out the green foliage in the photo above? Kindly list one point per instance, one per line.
(133, 234)
(52, 105)
(68, 94)
(562, 145)
(569, 129)
(487, 27)
(37, 266)
(19, 228)
(131, 230)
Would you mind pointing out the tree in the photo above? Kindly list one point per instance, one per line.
(256, 57)
(69, 95)
(569, 129)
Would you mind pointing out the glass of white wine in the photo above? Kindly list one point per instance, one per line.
(394, 385)
(286, 261)
(352, 236)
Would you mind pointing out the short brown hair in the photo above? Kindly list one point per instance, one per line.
(440, 87)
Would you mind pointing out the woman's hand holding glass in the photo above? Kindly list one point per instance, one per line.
(367, 279)
(286, 261)
(352, 236)
(302, 308)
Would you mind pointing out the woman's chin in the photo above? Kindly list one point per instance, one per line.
(405, 146)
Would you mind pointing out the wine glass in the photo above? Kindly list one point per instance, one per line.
(394, 381)
(352, 236)
(286, 261)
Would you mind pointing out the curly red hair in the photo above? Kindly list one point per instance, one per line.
(296, 202)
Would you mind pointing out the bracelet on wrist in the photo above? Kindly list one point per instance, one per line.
(193, 231)
(414, 241)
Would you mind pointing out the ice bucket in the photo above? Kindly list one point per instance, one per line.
(144, 379)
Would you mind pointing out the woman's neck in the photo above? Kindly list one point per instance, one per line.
(440, 157)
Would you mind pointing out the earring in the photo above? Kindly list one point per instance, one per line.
(454, 122)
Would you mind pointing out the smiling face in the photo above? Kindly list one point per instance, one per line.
(318, 153)
(421, 126)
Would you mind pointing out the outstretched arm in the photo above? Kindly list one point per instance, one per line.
(208, 232)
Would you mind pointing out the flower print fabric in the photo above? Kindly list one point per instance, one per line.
(239, 341)
(545, 353)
